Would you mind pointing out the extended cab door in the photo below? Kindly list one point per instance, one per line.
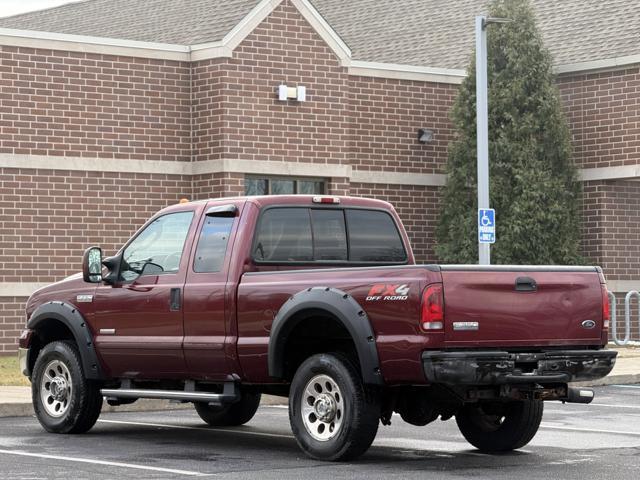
(209, 306)
(139, 318)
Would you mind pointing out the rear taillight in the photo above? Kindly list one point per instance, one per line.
(606, 308)
(432, 317)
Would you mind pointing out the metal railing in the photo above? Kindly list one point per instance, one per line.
(627, 317)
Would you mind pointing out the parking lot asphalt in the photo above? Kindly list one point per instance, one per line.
(601, 440)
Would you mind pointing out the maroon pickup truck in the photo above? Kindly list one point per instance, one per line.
(319, 299)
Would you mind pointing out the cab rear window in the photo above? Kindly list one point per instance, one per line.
(315, 235)
(373, 237)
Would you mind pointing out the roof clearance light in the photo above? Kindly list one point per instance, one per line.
(333, 200)
(183, 200)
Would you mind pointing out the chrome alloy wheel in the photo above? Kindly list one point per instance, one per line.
(55, 388)
(322, 408)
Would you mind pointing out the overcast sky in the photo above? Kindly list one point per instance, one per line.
(13, 7)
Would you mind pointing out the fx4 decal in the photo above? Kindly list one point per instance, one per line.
(381, 291)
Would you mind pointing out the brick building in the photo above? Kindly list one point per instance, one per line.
(113, 109)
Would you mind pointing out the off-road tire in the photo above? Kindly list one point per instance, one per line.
(361, 404)
(232, 415)
(84, 399)
(519, 424)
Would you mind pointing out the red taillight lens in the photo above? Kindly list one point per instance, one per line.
(432, 308)
(606, 308)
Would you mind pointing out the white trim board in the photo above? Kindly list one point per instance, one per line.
(322, 28)
(406, 72)
(265, 167)
(610, 173)
(87, 164)
(399, 178)
(82, 164)
(19, 289)
(225, 47)
(88, 44)
(622, 286)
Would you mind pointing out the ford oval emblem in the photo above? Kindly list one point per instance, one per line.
(588, 324)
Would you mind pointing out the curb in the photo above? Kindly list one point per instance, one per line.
(627, 379)
(142, 405)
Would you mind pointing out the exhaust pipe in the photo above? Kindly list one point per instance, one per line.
(579, 395)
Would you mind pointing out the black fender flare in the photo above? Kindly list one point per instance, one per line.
(75, 322)
(341, 306)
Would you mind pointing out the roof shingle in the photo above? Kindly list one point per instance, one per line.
(181, 22)
(432, 33)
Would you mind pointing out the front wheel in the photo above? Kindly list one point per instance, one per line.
(500, 427)
(333, 415)
(64, 401)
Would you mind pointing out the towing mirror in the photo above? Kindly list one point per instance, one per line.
(92, 265)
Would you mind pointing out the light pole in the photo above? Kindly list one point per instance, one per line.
(484, 251)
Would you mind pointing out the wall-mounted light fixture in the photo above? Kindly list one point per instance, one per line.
(298, 93)
(425, 135)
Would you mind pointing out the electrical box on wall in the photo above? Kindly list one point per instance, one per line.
(298, 93)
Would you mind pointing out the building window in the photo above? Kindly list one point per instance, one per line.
(283, 186)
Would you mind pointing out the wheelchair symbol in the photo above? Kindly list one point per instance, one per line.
(485, 220)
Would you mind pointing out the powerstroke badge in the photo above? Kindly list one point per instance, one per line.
(381, 291)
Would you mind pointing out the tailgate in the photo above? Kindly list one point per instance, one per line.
(501, 306)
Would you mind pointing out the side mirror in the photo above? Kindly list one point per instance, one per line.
(92, 265)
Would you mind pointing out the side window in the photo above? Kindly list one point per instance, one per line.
(373, 237)
(329, 235)
(158, 248)
(212, 244)
(284, 235)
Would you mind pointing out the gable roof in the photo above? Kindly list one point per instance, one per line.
(180, 22)
(440, 33)
(424, 33)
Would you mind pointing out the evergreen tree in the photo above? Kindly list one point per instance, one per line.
(533, 183)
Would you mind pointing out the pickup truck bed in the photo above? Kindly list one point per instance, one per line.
(318, 299)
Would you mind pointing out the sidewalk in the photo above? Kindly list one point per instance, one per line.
(16, 401)
(626, 370)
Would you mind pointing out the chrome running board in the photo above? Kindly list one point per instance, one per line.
(230, 394)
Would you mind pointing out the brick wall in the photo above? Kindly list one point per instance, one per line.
(49, 217)
(603, 110)
(217, 185)
(417, 207)
(242, 96)
(11, 323)
(611, 227)
(74, 104)
(385, 117)
(87, 105)
(208, 77)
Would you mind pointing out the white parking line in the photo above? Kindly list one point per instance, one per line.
(587, 405)
(590, 430)
(185, 427)
(104, 462)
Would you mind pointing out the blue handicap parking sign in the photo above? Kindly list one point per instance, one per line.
(486, 225)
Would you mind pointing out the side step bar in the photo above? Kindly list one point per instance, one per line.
(229, 394)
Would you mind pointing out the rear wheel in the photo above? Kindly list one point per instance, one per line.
(64, 401)
(235, 414)
(333, 415)
(500, 427)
